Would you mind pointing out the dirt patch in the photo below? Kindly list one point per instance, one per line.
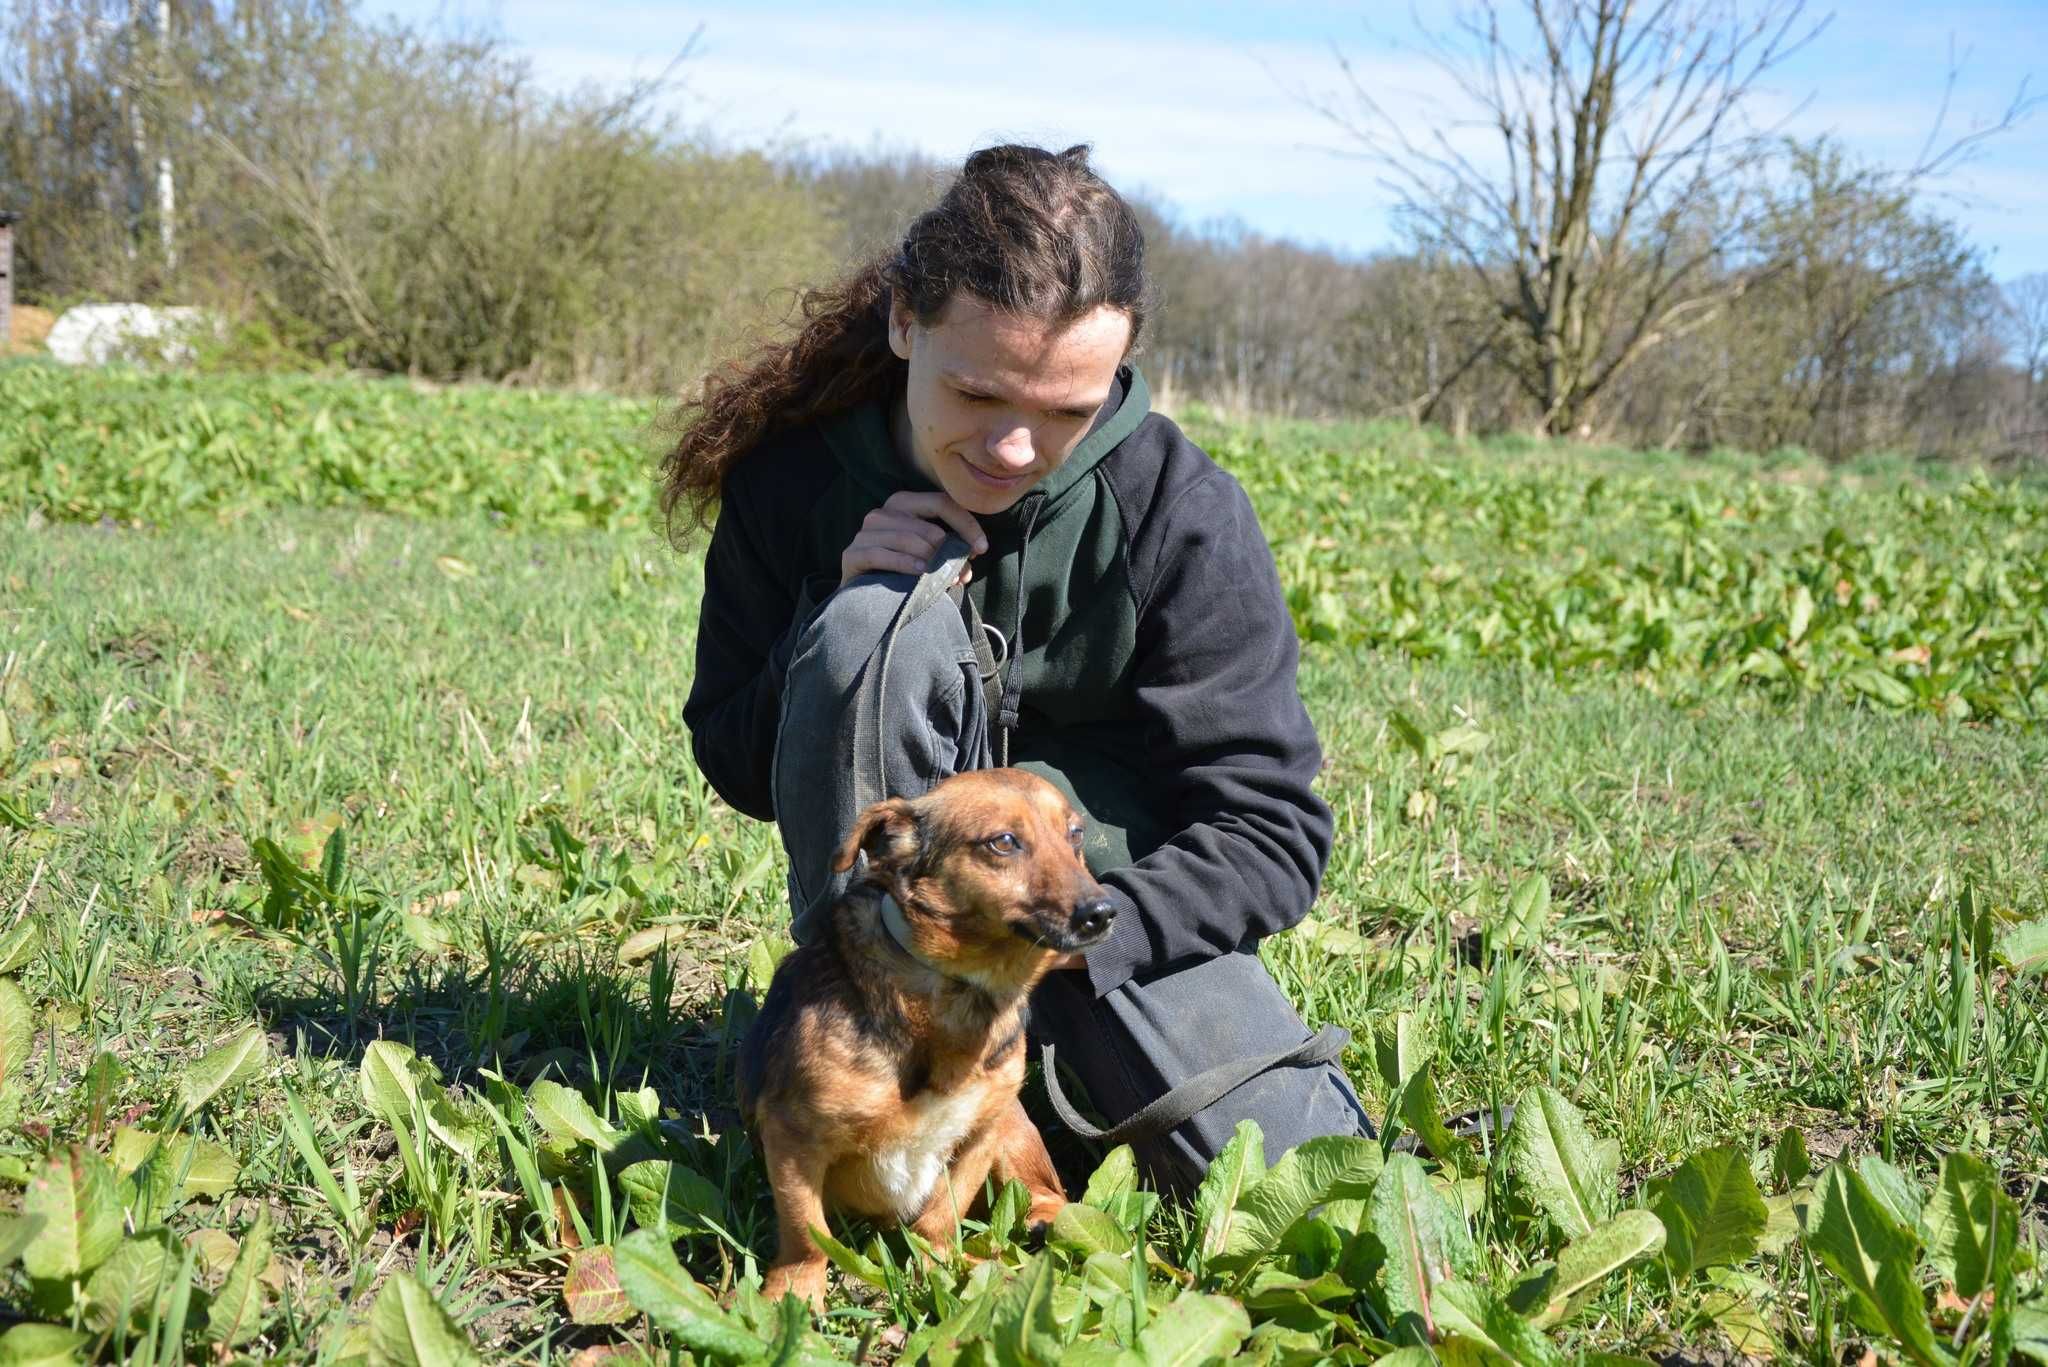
(29, 325)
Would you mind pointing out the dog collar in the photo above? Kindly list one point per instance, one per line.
(898, 930)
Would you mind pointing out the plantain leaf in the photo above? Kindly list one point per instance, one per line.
(399, 1084)
(1789, 1164)
(646, 1266)
(1418, 1106)
(18, 943)
(1116, 1175)
(1464, 1310)
(591, 1288)
(1193, 1330)
(222, 1070)
(73, 1195)
(2024, 947)
(409, 1328)
(17, 1033)
(1235, 1171)
(1711, 1209)
(237, 1308)
(1024, 1331)
(1528, 913)
(1569, 1176)
(43, 1345)
(134, 1285)
(671, 1198)
(1327, 1168)
(1426, 1243)
(1400, 1046)
(1972, 1226)
(1585, 1263)
(1861, 1240)
(568, 1118)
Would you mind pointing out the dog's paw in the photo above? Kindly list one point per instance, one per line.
(805, 1281)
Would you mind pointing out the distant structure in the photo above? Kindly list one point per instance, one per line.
(7, 222)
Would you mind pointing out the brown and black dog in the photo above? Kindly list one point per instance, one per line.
(881, 1076)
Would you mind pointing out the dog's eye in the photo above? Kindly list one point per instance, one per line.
(1076, 836)
(1004, 843)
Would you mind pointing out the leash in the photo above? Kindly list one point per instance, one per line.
(1177, 1105)
(1182, 1103)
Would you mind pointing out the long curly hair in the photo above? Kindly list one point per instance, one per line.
(1031, 232)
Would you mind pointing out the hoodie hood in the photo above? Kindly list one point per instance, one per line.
(860, 438)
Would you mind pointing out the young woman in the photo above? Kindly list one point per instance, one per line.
(951, 533)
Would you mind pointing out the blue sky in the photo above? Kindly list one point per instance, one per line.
(1205, 104)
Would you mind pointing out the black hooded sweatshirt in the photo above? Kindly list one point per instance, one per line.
(1151, 672)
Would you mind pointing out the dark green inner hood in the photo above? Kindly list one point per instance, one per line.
(860, 438)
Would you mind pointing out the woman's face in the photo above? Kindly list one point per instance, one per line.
(995, 403)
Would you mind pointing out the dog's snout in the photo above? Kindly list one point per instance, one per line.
(1092, 917)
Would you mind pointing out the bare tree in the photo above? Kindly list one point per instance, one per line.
(2026, 302)
(1594, 222)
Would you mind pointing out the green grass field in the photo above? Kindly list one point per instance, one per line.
(374, 952)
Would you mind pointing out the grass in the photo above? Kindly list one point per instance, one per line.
(1708, 912)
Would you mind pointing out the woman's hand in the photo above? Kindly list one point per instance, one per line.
(900, 536)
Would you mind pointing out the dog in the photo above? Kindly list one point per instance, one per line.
(881, 1077)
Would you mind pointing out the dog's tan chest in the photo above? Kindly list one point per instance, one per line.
(898, 1176)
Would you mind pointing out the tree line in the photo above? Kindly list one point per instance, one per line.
(1647, 268)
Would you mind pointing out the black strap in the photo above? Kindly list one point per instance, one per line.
(1200, 1092)
(989, 667)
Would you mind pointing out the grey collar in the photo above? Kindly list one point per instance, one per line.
(898, 930)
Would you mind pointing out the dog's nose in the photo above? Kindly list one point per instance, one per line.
(1092, 917)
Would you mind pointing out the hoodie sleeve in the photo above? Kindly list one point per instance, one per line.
(1232, 746)
(747, 624)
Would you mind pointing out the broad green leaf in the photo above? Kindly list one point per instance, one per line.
(1194, 1329)
(222, 1070)
(1972, 1226)
(1235, 1170)
(1786, 1216)
(669, 1197)
(409, 1328)
(1400, 1046)
(1088, 1230)
(854, 1264)
(1584, 1264)
(655, 1282)
(1859, 1239)
(15, 1233)
(73, 1195)
(398, 1083)
(17, 1032)
(160, 1169)
(2030, 1331)
(1528, 913)
(1901, 1194)
(42, 1345)
(1418, 1106)
(1024, 1329)
(1406, 1357)
(568, 1118)
(1464, 1309)
(1327, 1168)
(133, 1286)
(237, 1308)
(1789, 1164)
(1426, 1243)
(640, 1110)
(1114, 1176)
(1569, 1176)
(18, 943)
(2024, 947)
(1739, 1320)
(591, 1288)
(1711, 1209)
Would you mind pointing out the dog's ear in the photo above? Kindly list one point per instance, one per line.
(887, 834)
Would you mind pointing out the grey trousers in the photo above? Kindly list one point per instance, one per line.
(883, 698)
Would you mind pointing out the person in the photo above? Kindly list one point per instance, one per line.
(950, 532)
